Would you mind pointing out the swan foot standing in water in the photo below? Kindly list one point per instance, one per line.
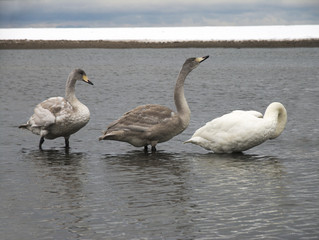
(66, 140)
(241, 130)
(58, 116)
(152, 124)
(153, 149)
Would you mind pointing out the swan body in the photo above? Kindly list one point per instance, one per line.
(241, 130)
(58, 116)
(152, 124)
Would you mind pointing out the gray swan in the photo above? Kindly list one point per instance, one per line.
(58, 116)
(241, 130)
(152, 124)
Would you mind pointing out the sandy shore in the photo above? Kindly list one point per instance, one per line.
(60, 44)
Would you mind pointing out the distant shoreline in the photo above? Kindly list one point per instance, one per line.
(71, 44)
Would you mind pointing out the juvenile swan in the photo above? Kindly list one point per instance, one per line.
(58, 116)
(241, 130)
(152, 124)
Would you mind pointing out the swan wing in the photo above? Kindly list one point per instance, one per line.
(254, 113)
(141, 118)
(50, 111)
(225, 123)
(235, 131)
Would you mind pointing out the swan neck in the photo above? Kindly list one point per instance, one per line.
(70, 90)
(277, 114)
(179, 97)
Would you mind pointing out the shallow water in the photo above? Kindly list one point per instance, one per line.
(111, 190)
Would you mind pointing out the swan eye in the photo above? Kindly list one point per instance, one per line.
(80, 71)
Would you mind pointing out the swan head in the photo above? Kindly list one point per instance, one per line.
(79, 74)
(276, 112)
(192, 63)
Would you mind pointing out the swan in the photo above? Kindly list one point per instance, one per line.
(241, 130)
(58, 116)
(152, 124)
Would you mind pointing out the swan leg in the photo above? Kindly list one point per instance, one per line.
(67, 144)
(41, 142)
(145, 148)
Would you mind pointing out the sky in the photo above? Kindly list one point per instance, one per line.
(156, 13)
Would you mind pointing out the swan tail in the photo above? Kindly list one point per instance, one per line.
(24, 126)
(103, 137)
(191, 140)
(111, 136)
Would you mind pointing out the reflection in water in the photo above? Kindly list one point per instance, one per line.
(60, 175)
(158, 196)
(192, 192)
(151, 193)
(240, 163)
(242, 192)
(54, 156)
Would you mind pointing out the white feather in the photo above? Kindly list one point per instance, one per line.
(241, 130)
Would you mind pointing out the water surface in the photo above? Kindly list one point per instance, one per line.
(111, 190)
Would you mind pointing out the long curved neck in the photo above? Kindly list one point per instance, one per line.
(70, 90)
(277, 114)
(179, 97)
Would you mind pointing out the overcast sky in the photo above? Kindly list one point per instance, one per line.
(150, 13)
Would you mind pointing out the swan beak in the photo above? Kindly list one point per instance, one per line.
(201, 59)
(86, 79)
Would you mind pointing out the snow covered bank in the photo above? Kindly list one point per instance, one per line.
(165, 34)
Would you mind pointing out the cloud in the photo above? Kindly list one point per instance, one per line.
(100, 13)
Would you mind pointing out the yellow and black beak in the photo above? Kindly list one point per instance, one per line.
(201, 59)
(86, 79)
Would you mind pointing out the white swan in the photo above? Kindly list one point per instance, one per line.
(241, 130)
(152, 124)
(58, 116)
